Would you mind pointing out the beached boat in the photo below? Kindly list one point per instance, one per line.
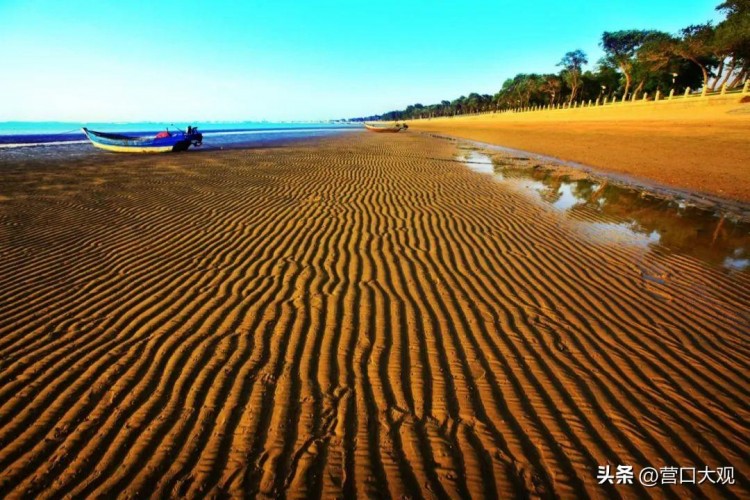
(386, 128)
(162, 142)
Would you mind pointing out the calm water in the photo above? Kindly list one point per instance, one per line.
(15, 135)
(607, 212)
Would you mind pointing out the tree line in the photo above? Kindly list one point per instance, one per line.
(635, 62)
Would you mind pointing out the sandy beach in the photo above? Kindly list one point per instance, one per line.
(699, 145)
(365, 314)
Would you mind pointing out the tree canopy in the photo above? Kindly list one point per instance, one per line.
(636, 61)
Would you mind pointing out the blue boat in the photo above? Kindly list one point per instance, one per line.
(163, 142)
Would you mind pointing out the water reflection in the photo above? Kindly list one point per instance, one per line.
(613, 213)
(479, 162)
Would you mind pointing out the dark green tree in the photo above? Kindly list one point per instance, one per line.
(573, 63)
(696, 45)
(551, 85)
(621, 48)
(732, 43)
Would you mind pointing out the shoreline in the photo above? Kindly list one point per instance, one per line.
(737, 210)
(696, 147)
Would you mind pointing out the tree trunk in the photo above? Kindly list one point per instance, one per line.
(705, 74)
(738, 79)
(639, 88)
(718, 75)
(627, 83)
(729, 72)
(703, 69)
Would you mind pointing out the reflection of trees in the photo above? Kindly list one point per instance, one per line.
(690, 231)
(584, 190)
(551, 191)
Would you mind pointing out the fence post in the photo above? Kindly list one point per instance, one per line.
(671, 94)
(658, 94)
(687, 91)
(723, 89)
(746, 88)
(645, 96)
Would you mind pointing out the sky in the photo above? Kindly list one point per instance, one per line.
(282, 60)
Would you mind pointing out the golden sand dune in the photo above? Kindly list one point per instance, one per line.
(357, 315)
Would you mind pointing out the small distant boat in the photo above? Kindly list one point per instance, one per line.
(386, 128)
(162, 142)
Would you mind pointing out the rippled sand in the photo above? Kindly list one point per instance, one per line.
(355, 315)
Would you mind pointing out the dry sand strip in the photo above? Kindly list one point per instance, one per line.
(359, 315)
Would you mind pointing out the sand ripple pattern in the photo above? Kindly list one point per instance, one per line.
(361, 315)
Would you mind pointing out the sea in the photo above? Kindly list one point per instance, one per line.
(52, 139)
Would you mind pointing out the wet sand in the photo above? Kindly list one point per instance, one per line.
(355, 315)
(701, 146)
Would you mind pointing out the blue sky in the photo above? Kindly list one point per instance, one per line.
(285, 60)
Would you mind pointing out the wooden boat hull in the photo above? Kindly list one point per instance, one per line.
(386, 130)
(118, 143)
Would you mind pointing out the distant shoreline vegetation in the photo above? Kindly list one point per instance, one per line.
(635, 62)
